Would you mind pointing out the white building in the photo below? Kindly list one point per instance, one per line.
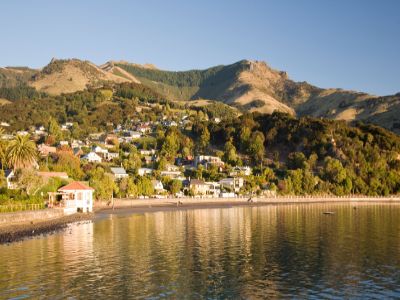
(245, 171)
(233, 184)
(118, 172)
(77, 196)
(91, 157)
(158, 186)
(144, 171)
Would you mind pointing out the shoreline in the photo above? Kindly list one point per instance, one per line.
(171, 204)
(18, 232)
(29, 229)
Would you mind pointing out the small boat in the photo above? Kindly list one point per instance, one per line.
(328, 213)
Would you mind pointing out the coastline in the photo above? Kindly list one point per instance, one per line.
(170, 204)
(16, 232)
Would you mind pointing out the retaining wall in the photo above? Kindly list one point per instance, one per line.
(30, 216)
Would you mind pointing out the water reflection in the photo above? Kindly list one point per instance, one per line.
(259, 252)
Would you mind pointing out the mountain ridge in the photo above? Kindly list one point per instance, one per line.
(247, 85)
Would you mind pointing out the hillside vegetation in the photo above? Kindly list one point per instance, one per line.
(250, 86)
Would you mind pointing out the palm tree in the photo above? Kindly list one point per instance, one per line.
(3, 146)
(21, 152)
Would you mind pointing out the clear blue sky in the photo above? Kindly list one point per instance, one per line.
(353, 44)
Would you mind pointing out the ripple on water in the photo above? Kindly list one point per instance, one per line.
(248, 253)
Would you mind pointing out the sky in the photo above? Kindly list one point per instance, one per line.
(348, 44)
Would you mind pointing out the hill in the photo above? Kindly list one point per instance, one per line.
(250, 86)
(254, 86)
(71, 75)
(15, 76)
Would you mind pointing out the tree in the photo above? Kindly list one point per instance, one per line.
(256, 147)
(334, 171)
(230, 155)
(54, 129)
(28, 180)
(145, 186)
(175, 186)
(204, 139)
(170, 146)
(21, 152)
(102, 182)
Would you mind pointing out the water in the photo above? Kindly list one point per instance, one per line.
(240, 253)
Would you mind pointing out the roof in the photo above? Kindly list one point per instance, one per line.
(197, 182)
(75, 185)
(53, 174)
(8, 173)
(118, 170)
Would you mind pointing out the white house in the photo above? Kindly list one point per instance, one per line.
(144, 171)
(246, 171)
(91, 157)
(157, 185)
(111, 155)
(98, 149)
(233, 184)
(77, 197)
(118, 172)
(10, 178)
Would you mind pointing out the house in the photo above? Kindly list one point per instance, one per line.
(45, 150)
(78, 151)
(77, 196)
(92, 157)
(214, 188)
(147, 152)
(62, 175)
(144, 171)
(111, 155)
(110, 140)
(118, 172)
(64, 143)
(172, 174)
(148, 159)
(10, 178)
(158, 186)
(133, 134)
(198, 187)
(232, 184)
(99, 150)
(207, 160)
(244, 171)
(143, 128)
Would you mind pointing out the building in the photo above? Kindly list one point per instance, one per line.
(147, 152)
(198, 187)
(208, 160)
(99, 150)
(172, 174)
(144, 171)
(10, 178)
(45, 150)
(77, 196)
(233, 184)
(92, 157)
(244, 171)
(158, 186)
(118, 172)
(214, 189)
(111, 155)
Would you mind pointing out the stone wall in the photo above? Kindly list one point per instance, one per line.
(30, 216)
